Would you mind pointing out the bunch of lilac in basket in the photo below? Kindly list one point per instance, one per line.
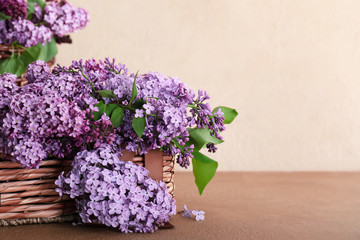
(116, 193)
(31, 22)
(38, 121)
(151, 111)
(36, 27)
(106, 104)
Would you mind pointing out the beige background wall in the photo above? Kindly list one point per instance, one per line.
(291, 68)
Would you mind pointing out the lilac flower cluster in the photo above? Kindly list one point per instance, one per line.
(64, 18)
(14, 8)
(56, 110)
(23, 31)
(165, 104)
(7, 88)
(205, 118)
(116, 193)
(34, 120)
(39, 121)
(37, 71)
(56, 20)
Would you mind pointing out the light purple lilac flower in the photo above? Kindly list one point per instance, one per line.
(56, 20)
(199, 215)
(187, 212)
(24, 32)
(139, 113)
(56, 110)
(37, 71)
(109, 191)
(64, 18)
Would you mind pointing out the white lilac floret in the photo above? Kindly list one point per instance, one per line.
(116, 193)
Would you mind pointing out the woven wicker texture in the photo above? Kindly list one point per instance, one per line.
(28, 196)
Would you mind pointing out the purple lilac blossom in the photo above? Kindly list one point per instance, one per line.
(56, 20)
(37, 71)
(38, 14)
(69, 126)
(33, 118)
(41, 118)
(14, 8)
(24, 32)
(64, 18)
(116, 193)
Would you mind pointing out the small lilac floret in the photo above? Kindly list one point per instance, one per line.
(199, 215)
(187, 212)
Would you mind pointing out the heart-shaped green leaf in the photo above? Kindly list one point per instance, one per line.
(48, 51)
(117, 117)
(200, 137)
(204, 169)
(97, 115)
(12, 65)
(138, 125)
(229, 113)
(107, 93)
(110, 108)
(138, 104)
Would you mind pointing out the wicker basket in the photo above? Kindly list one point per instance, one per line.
(7, 50)
(28, 196)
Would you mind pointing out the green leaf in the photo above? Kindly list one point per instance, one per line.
(41, 3)
(107, 93)
(8, 65)
(138, 104)
(97, 115)
(134, 90)
(31, 54)
(13, 65)
(18, 64)
(21, 66)
(200, 137)
(48, 51)
(204, 169)
(117, 117)
(229, 113)
(30, 9)
(138, 125)
(40, 52)
(3, 16)
(110, 108)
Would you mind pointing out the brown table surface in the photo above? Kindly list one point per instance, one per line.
(243, 206)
